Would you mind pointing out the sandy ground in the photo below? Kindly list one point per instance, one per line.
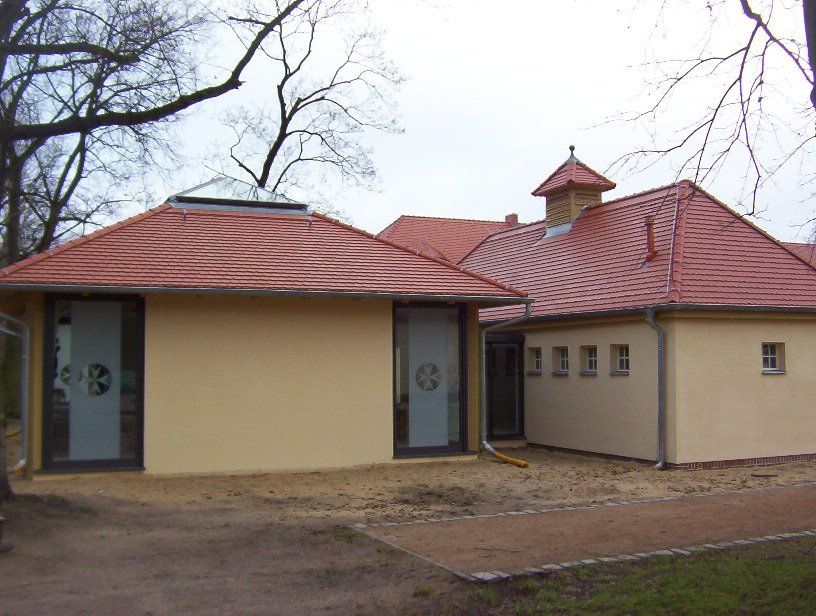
(130, 543)
(405, 491)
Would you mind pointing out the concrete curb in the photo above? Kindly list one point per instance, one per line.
(498, 576)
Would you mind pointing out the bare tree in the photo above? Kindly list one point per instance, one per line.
(754, 102)
(328, 82)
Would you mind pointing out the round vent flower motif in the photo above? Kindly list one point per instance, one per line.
(95, 379)
(427, 376)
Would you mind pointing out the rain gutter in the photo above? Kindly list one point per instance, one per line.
(661, 388)
(512, 299)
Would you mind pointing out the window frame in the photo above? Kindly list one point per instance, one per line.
(588, 360)
(464, 409)
(620, 356)
(49, 359)
(535, 356)
(560, 361)
(773, 358)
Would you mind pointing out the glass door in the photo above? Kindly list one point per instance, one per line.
(428, 373)
(93, 384)
(504, 385)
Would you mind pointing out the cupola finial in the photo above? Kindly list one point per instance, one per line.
(572, 158)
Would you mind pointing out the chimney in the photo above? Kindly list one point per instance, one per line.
(651, 253)
(569, 189)
(512, 220)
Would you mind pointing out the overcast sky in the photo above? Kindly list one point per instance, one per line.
(495, 94)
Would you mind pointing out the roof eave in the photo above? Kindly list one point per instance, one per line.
(667, 307)
(495, 300)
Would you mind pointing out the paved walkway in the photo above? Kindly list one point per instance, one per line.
(515, 541)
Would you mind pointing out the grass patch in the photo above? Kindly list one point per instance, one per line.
(346, 534)
(423, 590)
(489, 596)
(773, 578)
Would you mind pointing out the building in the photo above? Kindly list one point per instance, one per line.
(230, 329)
(665, 327)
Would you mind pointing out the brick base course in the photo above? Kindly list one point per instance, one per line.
(686, 466)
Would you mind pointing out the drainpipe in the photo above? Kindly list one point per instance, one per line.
(24, 337)
(661, 388)
(483, 386)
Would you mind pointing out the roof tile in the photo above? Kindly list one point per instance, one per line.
(233, 250)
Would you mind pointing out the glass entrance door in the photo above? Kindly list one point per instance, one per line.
(428, 369)
(505, 382)
(93, 408)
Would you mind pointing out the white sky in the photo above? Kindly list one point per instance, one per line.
(495, 94)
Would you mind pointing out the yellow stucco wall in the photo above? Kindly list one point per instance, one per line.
(727, 409)
(238, 383)
(603, 413)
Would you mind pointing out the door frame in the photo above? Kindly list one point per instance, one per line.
(49, 358)
(410, 452)
(516, 340)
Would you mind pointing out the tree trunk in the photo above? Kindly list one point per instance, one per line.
(810, 38)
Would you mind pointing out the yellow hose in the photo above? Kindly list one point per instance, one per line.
(500, 456)
(513, 461)
(13, 432)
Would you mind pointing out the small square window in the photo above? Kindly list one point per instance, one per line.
(560, 360)
(773, 357)
(536, 361)
(619, 355)
(589, 359)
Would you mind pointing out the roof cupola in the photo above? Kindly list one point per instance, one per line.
(570, 188)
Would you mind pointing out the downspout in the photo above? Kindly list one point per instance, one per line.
(661, 388)
(483, 386)
(24, 337)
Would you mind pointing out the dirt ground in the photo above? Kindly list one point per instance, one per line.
(132, 543)
(514, 542)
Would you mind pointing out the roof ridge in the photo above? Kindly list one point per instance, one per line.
(40, 256)
(637, 194)
(447, 264)
(491, 235)
(424, 217)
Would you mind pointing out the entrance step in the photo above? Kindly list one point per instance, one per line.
(509, 443)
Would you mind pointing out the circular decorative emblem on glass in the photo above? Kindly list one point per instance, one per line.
(95, 379)
(427, 376)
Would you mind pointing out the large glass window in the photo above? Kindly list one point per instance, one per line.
(93, 410)
(428, 379)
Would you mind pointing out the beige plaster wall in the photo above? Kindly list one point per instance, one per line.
(603, 413)
(239, 383)
(727, 408)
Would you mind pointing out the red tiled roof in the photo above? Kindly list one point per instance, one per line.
(706, 254)
(446, 238)
(168, 247)
(573, 173)
(803, 251)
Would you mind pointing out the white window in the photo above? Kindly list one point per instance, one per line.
(773, 357)
(589, 359)
(560, 360)
(619, 354)
(536, 362)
